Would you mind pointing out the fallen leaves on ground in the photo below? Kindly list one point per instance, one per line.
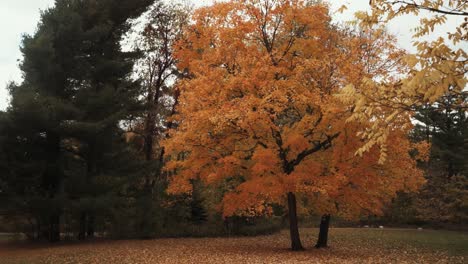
(347, 246)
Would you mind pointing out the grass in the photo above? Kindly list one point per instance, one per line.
(454, 243)
(6, 237)
(347, 245)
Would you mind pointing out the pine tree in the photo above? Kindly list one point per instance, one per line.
(76, 91)
(445, 125)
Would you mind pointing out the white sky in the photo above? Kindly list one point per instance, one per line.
(21, 16)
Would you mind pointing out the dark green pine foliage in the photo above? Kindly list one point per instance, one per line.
(106, 93)
(445, 125)
(442, 200)
(63, 124)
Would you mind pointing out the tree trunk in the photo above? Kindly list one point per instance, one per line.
(90, 226)
(51, 182)
(54, 229)
(87, 217)
(296, 244)
(149, 135)
(323, 234)
(82, 232)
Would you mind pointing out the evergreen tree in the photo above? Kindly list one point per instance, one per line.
(443, 198)
(76, 91)
(445, 125)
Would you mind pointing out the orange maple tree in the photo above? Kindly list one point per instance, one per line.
(261, 105)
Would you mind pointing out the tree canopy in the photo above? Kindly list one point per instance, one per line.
(262, 109)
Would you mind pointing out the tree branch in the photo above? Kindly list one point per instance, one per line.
(419, 6)
(317, 147)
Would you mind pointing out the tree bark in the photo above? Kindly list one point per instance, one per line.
(82, 231)
(149, 134)
(51, 182)
(87, 216)
(90, 226)
(296, 244)
(54, 227)
(323, 234)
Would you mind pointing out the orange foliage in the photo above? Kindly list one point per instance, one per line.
(261, 106)
(354, 186)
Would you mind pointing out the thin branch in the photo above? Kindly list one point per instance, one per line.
(414, 5)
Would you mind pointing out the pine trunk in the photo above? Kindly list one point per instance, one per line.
(54, 228)
(323, 234)
(87, 217)
(82, 231)
(296, 244)
(51, 181)
(90, 226)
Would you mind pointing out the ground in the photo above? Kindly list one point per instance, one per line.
(347, 245)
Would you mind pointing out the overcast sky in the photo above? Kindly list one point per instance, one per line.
(21, 16)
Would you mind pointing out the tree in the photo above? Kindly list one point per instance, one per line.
(234, 111)
(437, 69)
(445, 125)
(75, 92)
(106, 95)
(322, 240)
(360, 186)
(162, 27)
(261, 108)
